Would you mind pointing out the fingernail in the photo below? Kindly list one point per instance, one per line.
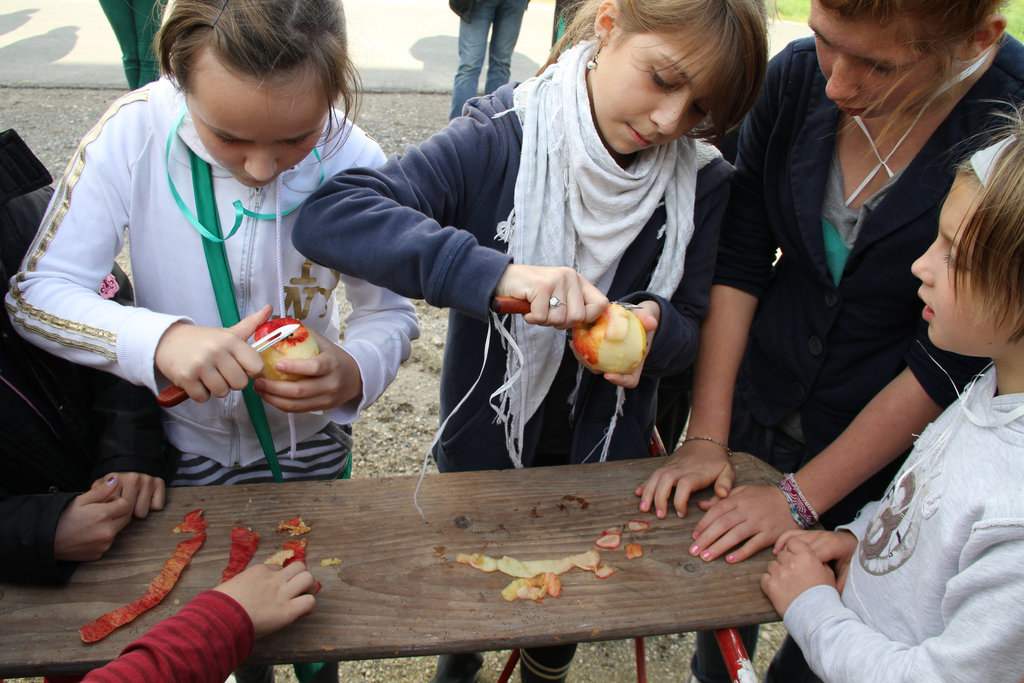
(111, 480)
(706, 555)
(694, 549)
(730, 558)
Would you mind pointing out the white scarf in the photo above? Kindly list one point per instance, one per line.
(574, 206)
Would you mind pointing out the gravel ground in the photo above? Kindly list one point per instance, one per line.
(398, 429)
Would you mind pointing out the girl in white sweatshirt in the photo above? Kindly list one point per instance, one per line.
(247, 97)
(928, 582)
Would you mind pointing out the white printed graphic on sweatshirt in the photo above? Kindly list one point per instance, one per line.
(892, 535)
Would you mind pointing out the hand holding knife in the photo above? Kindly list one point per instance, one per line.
(173, 395)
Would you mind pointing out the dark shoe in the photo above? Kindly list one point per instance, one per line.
(458, 668)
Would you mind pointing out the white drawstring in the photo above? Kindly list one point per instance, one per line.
(884, 163)
(278, 230)
(440, 430)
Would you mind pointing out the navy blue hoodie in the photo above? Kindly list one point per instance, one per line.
(423, 225)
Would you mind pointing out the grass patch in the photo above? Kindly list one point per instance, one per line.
(796, 10)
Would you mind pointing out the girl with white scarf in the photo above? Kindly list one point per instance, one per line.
(591, 181)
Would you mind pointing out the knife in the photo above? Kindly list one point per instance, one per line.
(173, 395)
(507, 304)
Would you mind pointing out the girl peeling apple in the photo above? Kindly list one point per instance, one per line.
(590, 181)
(203, 169)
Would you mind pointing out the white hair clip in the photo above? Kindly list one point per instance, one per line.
(984, 160)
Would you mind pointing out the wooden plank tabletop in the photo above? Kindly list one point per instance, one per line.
(398, 590)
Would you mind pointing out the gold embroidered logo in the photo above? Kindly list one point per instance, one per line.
(300, 292)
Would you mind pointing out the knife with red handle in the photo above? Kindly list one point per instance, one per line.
(173, 395)
(507, 304)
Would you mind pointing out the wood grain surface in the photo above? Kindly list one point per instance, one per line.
(399, 590)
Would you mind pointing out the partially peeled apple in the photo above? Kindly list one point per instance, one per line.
(300, 344)
(615, 342)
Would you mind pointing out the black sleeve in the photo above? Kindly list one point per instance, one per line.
(28, 525)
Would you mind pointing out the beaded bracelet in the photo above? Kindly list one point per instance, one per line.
(711, 439)
(801, 509)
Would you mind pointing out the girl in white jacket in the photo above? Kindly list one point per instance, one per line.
(247, 93)
(928, 582)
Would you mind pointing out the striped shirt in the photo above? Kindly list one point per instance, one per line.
(327, 455)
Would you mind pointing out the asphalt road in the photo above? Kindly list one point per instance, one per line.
(398, 45)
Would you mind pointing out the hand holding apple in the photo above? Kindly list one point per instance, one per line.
(616, 342)
(300, 344)
(323, 381)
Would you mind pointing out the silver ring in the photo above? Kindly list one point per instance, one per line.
(554, 302)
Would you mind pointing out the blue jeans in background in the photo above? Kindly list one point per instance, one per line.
(506, 17)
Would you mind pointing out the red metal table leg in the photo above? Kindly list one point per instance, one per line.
(510, 666)
(641, 661)
(735, 656)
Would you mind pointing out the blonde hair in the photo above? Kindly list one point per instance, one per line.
(734, 32)
(989, 258)
(266, 40)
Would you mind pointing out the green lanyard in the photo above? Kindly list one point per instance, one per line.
(240, 210)
(220, 276)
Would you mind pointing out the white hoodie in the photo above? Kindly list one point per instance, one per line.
(117, 182)
(936, 588)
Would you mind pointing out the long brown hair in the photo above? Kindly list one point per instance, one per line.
(266, 40)
(734, 32)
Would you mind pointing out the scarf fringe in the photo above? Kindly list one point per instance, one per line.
(510, 417)
(440, 430)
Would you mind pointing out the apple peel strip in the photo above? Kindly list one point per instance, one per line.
(158, 588)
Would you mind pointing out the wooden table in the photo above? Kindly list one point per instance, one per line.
(398, 590)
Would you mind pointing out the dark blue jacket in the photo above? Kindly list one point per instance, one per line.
(387, 226)
(823, 349)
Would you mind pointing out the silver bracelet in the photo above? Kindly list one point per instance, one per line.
(712, 440)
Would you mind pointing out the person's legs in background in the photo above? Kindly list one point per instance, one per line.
(121, 16)
(458, 668)
(472, 47)
(789, 665)
(508, 19)
(148, 17)
(135, 23)
(546, 664)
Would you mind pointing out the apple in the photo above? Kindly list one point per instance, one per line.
(615, 342)
(300, 344)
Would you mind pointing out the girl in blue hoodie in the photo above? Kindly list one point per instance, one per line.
(592, 181)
